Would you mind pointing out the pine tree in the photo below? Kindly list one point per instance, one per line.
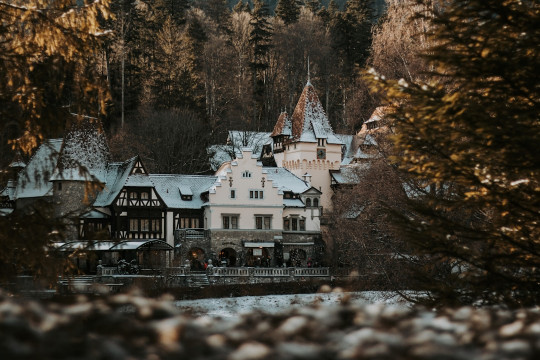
(241, 7)
(471, 138)
(218, 10)
(355, 31)
(288, 11)
(260, 40)
(313, 5)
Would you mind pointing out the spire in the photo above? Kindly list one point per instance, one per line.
(308, 75)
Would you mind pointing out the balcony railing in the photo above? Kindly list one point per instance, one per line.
(190, 234)
(268, 272)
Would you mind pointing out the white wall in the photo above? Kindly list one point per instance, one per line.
(220, 201)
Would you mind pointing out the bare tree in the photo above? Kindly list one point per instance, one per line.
(398, 41)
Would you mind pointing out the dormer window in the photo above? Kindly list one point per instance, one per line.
(144, 195)
(320, 142)
(246, 174)
(308, 202)
(133, 195)
(372, 125)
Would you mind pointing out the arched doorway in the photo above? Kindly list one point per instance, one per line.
(227, 257)
(298, 257)
(196, 258)
(258, 257)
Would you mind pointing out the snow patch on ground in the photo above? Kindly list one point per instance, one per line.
(272, 304)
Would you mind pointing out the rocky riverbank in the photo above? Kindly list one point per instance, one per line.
(131, 326)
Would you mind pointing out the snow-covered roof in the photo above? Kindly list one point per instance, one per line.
(283, 125)
(18, 161)
(168, 188)
(378, 114)
(9, 190)
(350, 174)
(286, 180)
(33, 180)
(236, 141)
(309, 121)
(84, 148)
(139, 180)
(94, 214)
(115, 180)
(293, 203)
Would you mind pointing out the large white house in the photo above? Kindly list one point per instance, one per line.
(246, 214)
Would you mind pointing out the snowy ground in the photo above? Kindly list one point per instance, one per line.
(232, 307)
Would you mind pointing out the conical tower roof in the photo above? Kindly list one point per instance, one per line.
(84, 146)
(18, 161)
(309, 121)
(283, 125)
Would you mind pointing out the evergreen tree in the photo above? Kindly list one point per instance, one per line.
(474, 146)
(288, 11)
(175, 9)
(260, 40)
(354, 31)
(241, 7)
(218, 10)
(313, 5)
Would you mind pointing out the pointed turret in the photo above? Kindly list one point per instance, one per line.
(309, 121)
(17, 163)
(84, 149)
(283, 125)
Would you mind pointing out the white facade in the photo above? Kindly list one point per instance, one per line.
(243, 193)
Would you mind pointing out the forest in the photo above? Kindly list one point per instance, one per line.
(178, 70)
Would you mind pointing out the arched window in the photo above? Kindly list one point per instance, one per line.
(246, 174)
(308, 202)
(315, 202)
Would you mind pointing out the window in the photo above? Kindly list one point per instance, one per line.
(145, 225)
(256, 194)
(155, 224)
(186, 197)
(294, 223)
(133, 195)
(302, 224)
(188, 222)
(59, 186)
(144, 195)
(315, 202)
(133, 224)
(230, 221)
(308, 202)
(263, 222)
(286, 224)
(233, 194)
(246, 174)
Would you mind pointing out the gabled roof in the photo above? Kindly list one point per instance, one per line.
(33, 180)
(168, 188)
(286, 180)
(115, 179)
(309, 121)
(283, 125)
